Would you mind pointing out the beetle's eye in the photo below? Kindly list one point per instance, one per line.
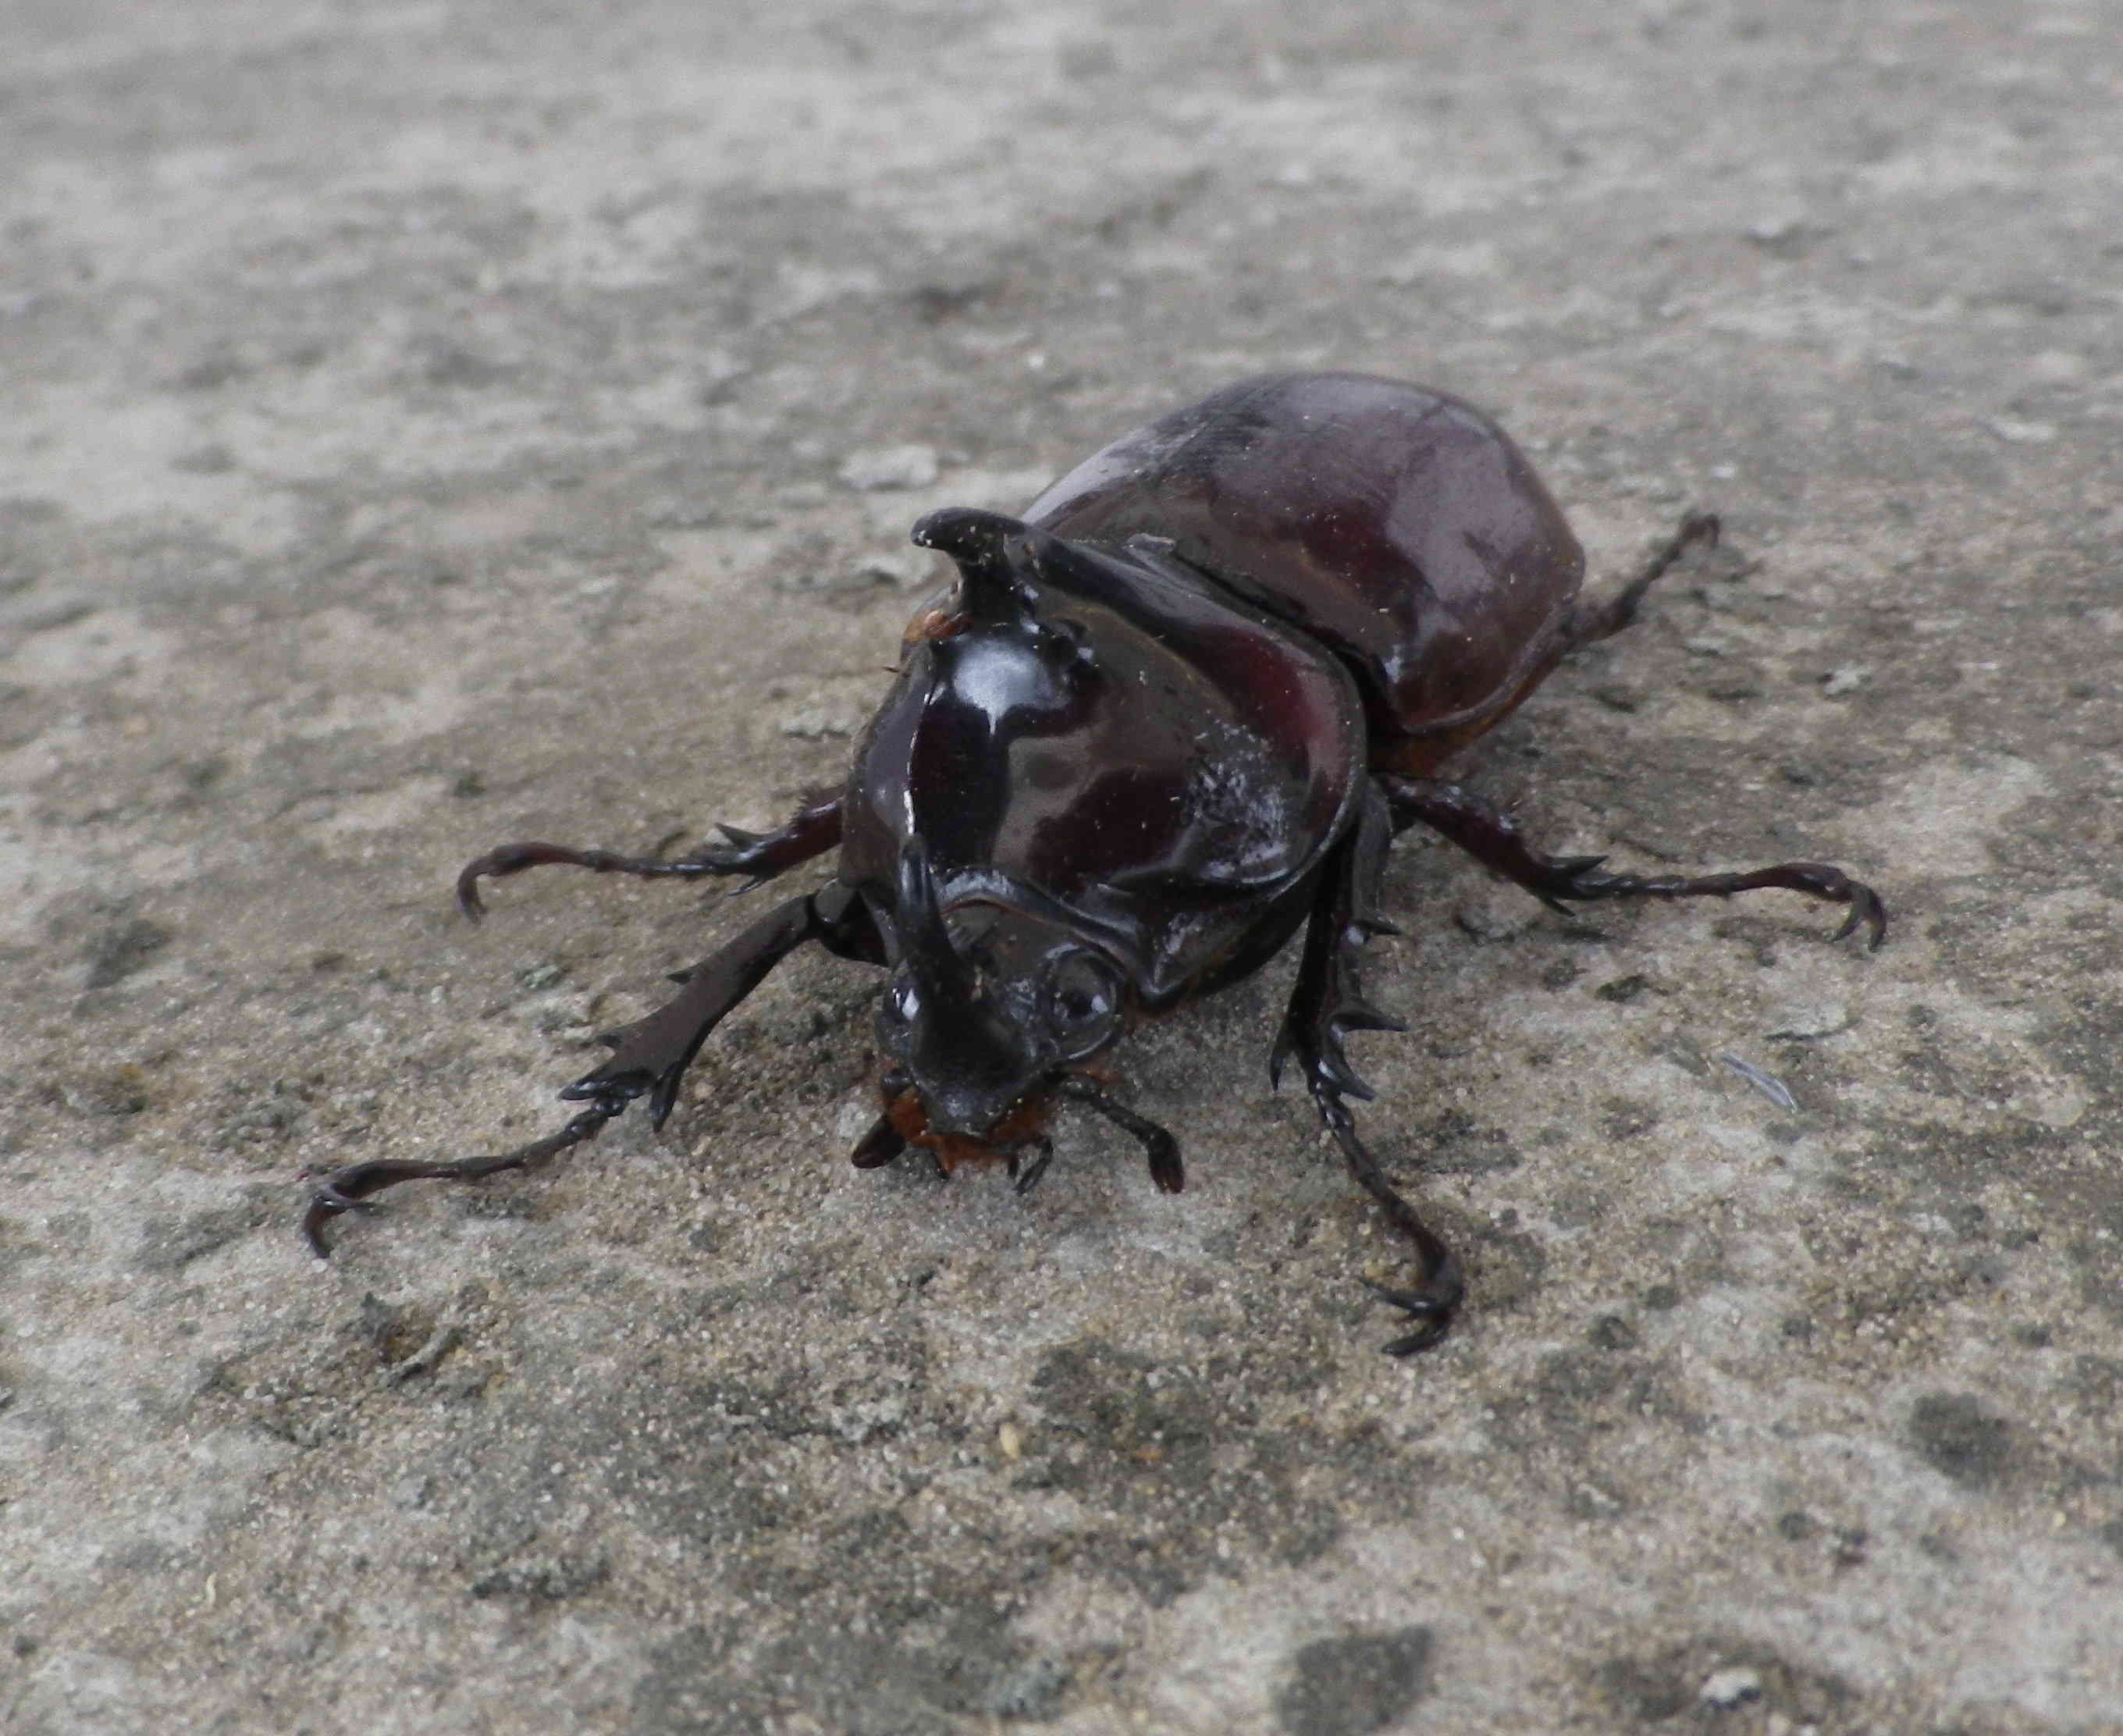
(1083, 1001)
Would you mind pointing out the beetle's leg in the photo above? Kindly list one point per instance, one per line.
(1590, 622)
(879, 1146)
(1166, 1168)
(347, 1190)
(1491, 838)
(1024, 1176)
(648, 1056)
(884, 1141)
(814, 829)
(652, 1055)
(1327, 1004)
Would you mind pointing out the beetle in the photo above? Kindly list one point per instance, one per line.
(1169, 717)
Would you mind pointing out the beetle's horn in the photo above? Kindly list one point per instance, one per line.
(925, 943)
(991, 570)
(969, 1064)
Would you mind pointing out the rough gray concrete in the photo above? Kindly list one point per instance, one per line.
(429, 425)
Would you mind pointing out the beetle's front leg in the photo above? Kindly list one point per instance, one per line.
(1490, 836)
(1327, 1003)
(814, 829)
(1166, 1167)
(649, 1057)
(347, 1189)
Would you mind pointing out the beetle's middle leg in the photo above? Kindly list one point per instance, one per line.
(814, 829)
(1491, 836)
(1327, 1004)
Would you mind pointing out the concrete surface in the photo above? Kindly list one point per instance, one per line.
(431, 424)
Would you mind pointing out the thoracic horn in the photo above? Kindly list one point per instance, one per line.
(989, 549)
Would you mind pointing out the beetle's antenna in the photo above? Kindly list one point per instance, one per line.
(991, 572)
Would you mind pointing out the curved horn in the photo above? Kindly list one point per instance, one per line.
(991, 571)
(925, 943)
(968, 1060)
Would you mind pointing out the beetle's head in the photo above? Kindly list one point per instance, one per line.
(988, 1005)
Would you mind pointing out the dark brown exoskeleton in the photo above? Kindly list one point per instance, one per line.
(1173, 716)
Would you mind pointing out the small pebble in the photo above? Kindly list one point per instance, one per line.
(890, 467)
(1804, 1023)
(894, 569)
(1728, 1688)
(2057, 366)
(1770, 231)
(815, 724)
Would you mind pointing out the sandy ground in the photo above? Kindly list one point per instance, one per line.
(427, 425)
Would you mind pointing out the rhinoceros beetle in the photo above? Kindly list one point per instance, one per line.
(1169, 717)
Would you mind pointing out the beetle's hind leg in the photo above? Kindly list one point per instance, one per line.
(1489, 836)
(814, 829)
(1329, 1003)
(1590, 622)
